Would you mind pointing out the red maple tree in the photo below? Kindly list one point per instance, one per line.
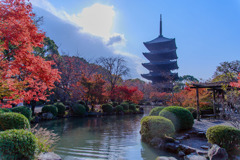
(26, 76)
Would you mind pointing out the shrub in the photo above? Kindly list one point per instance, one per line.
(125, 106)
(27, 112)
(137, 106)
(156, 126)
(132, 107)
(50, 108)
(206, 108)
(45, 139)
(193, 111)
(84, 104)
(225, 136)
(2, 110)
(17, 144)
(78, 109)
(107, 108)
(114, 104)
(11, 120)
(155, 111)
(61, 108)
(181, 117)
(119, 108)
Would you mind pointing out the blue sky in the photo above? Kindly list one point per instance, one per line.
(206, 31)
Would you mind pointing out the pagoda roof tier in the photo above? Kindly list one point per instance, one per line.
(164, 65)
(160, 43)
(171, 55)
(160, 76)
(163, 51)
(159, 39)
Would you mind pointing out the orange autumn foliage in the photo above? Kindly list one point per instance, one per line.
(187, 98)
(236, 84)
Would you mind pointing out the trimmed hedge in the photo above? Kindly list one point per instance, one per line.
(27, 112)
(180, 117)
(61, 108)
(155, 111)
(3, 110)
(193, 111)
(11, 120)
(225, 136)
(119, 108)
(17, 144)
(78, 109)
(50, 108)
(156, 126)
(107, 108)
(125, 106)
(132, 107)
(84, 104)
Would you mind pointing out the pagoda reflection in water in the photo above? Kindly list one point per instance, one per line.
(163, 60)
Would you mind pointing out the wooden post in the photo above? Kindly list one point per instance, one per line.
(214, 106)
(198, 112)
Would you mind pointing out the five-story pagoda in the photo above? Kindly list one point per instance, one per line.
(163, 60)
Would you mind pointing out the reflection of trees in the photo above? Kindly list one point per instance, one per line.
(108, 136)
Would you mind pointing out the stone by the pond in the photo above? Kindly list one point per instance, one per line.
(49, 156)
(169, 140)
(172, 147)
(156, 141)
(186, 136)
(165, 158)
(201, 134)
(47, 115)
(193, 132)
(194, 157)
(181, 154)
(202, 153)
(217, 153)
(205, 147)
(186, 149)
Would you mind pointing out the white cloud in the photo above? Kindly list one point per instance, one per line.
(96, 20)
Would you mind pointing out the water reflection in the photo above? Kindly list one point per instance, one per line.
(112, 137)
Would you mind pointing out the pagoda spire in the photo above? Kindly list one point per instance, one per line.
(160, 24)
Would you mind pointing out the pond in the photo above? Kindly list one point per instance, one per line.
(109, 137)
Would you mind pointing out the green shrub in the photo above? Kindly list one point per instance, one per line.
(181, 117)
(156, 126)
(11, 120)
(17, 144)
(2, 110)
(132, 107)
(78, 109)
(27, 112)
(155, 111)
(114, 104)
(61, 108)
(50, 108)
(107, 108)
(84, 104)
(193, 111)
(225, 136)
(125, 106)
(119, 108)
(206, 108)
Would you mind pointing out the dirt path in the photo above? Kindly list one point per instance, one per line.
(204, 124)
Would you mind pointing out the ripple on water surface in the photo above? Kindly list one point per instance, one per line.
(113, 138)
